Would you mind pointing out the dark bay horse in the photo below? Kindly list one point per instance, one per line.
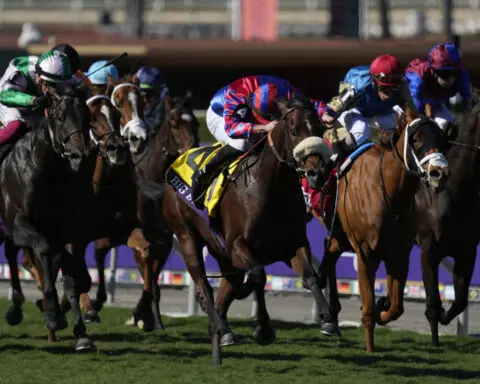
(42, 204)
(448, 224)
(152, 152)
(376, 215)
(262, 220)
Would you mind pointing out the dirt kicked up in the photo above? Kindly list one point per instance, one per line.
(182, 354)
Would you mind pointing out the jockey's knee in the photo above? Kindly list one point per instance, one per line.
(360, 131)
(442, 123)
(239, 144)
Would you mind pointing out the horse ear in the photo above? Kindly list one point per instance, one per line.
(282, 106)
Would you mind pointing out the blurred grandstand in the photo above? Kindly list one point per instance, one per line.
(213, 18)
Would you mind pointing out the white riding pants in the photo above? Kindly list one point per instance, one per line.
(8, 114)
(216, 126)
(360, 126)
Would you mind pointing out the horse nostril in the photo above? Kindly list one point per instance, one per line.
(111, 148)
(75, 156)
(311, 173)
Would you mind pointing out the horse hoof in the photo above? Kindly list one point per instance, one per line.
(14, 316)
(91, 317)
(264, 335)
(131, 322)
(330, 329)
(145, 326)
(229, 339)
(85, 344)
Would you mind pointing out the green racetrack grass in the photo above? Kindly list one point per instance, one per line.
(181, 354)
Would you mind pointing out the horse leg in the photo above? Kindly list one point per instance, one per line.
(430, 264)
(264, 333)
(462, 276)
(142, 253)
(76, 280)
(328, 277)
(397, 272)
(225, 296)
(301, 264)
(161, 252)
(102, 247)
(14, 314)
(366, 280)
(192, 254)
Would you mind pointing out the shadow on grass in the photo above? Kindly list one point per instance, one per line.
(457, 374)
(365, 360)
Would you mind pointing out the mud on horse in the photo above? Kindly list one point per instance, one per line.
(255, 230)
(376, 215)
(152, 153)
(447, 224)
(41, 206)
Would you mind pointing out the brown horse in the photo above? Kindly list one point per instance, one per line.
(448, 224)
(262, 220)
(152, 152)
(376, 215)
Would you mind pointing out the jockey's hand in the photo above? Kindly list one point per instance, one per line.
(40, 102)
(260, 128)
(328, 120)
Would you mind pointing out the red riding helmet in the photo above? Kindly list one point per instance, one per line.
(386, 71)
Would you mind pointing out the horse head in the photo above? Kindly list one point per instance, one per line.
(178, 132)
(67, 123)
(104, 131)
(126, 97)
(422, 145)
(296, 140)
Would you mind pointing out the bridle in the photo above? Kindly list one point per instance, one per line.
(294, 163)
(107, 136)
(135, 121)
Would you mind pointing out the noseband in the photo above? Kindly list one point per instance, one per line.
(292, 164)
(135, 120)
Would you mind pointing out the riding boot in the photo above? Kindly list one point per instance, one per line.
(202, 178)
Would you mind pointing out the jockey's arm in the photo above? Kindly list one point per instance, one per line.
(12, 97)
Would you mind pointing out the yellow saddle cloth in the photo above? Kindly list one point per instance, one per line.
(185, 166)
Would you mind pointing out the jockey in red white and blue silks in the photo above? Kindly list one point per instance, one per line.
(434, 81)
(240, 113)
(239, 110)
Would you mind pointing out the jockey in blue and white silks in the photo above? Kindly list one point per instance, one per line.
(367, 96)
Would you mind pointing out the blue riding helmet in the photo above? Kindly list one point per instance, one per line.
(101, 77)
(151, 78)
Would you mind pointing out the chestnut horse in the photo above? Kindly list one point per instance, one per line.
(255, 230)
(448, 224)
(376, 215)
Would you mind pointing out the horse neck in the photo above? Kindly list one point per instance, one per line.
(464, 163)
(152, 163)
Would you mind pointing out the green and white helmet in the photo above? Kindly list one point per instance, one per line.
(54, 66)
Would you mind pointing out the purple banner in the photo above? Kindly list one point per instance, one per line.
(316, 234)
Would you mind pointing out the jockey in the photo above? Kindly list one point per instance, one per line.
(99, 79)
(154, 89)
(434, 81)
(74, 58)
(238, 113)
(368, 93)
(24, 86)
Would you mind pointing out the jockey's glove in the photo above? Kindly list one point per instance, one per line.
(41, 102)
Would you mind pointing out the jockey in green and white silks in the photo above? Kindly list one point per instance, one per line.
(23, 87)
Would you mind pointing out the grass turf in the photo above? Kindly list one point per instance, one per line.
(181, 354)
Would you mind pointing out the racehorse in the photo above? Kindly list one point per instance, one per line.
(152, 153)
(376, 214)
(447, 224)
(42, 205)
(262, 220)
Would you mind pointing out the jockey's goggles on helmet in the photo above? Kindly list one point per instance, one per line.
(388, 89)
(388, 79)
(445, 73)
